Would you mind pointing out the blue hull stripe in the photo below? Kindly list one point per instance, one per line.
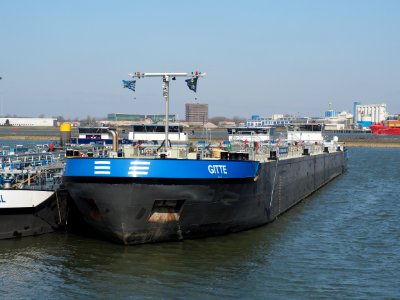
(160, 168)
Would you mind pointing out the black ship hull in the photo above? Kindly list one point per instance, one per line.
(141, 210)
(21, 221)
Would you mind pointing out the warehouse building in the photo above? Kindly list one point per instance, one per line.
(40, 122)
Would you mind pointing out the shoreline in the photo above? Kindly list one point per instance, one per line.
(347, 141)
(371, 144)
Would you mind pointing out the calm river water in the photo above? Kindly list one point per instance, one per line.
(342, 242)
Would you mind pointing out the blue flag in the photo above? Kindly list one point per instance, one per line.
(130, 84)
(192, 83)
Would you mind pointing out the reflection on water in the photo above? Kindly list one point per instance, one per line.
(343, 241)
(87, 267)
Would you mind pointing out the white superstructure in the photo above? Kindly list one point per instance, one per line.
(156, 132)
(23, 198)
(311, 133)
(95, 133)
(249, 134)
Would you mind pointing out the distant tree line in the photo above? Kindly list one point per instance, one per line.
(88, 121)
(92, 121)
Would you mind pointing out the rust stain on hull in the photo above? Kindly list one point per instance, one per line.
(164, 217)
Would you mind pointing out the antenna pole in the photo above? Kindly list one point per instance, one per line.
(165, 86)
(166, 97)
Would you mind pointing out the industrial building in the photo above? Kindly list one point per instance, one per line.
(368, 114)
(115, 117)
(278, 120)
(46, 122)
(196, 112)
(275, 120)
(125, 117)
(337, 120)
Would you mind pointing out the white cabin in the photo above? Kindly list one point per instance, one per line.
(156, 132)
(249, 134)
(305, 133)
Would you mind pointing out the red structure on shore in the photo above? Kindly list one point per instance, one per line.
(388, 127)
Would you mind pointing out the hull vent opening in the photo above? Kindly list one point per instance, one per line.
(166, 211)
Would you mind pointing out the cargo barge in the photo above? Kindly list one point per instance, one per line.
(144, 193)
(139, 200)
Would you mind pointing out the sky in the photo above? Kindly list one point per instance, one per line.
(68, 58)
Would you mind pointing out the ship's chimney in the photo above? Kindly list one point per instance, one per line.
(114, 133)
(65, 133)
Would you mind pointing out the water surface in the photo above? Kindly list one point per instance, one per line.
(342, 242)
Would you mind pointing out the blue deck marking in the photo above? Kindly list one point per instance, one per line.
(160, 168)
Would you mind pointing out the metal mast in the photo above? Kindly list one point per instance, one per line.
(165, 86)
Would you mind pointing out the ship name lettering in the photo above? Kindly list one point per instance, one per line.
(217, 169)
(2, 199)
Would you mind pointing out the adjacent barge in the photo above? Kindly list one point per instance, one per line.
(31, 212)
